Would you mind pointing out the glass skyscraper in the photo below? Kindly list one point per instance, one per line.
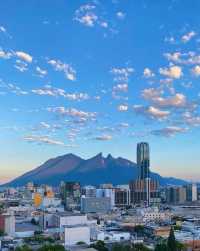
(143, 160)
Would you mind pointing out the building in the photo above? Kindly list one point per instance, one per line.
(143, 160)
(191, 192)
(95, 205)
(7, 223)
(70, 195)
(69, 219)
(89, 191)
(144, 190)
(176, 195)
(122, 197)
(106, 193)
(75, 234)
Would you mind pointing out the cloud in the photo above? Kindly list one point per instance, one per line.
(5, 55)
(172, 72)
(188, 58)
(196, 71)
(121, 87)
(191, 119)
(103, 137)
(151, 112)
(21, 66)
(86, 16)
(177, 100)
(48, 90)
(122, 108)
(187, 37)
(151, 93)
(14, 89)
(69, 72)
(24, 56)
(169, 131)
(44, 125)
(40, 71)
(72, 112)
(120, 15)
(122, 74)
(43, 139)
(2, 29)
(148, 73)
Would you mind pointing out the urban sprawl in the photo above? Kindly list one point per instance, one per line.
(141, 215)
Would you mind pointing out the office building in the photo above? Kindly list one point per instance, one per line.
(95, 205)
(144, 190)
(70, 195)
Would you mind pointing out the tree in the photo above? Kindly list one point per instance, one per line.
(23, 248)
(100, 246)
(161, 247)
(140, 247)
(52, 248)
(171, 241)
(2, 233)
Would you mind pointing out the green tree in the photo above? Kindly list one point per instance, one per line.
(171, 241)
(100, 246)
(51, 248)
(140, 247)
(2, 233)
(23, 248)
(161, 247)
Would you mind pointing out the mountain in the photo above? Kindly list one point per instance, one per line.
(94, 171)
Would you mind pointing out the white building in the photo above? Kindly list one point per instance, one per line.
(8, 224)
(65, 219)
(153, 214)
(75, 234)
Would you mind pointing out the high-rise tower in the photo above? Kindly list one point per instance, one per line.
(143, 160)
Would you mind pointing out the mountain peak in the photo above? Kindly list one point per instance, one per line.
(93, 171)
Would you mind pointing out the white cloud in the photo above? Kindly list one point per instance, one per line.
(196, 71)
(103, 137)
(172, 72)
(86, 16)
(191, 119)
(122, 108)
(155, 96)
(169, 131)
(48, 90)
(69, 72)
(5, 55)
(72, 112)
(121, 87)
(21, 66)
(122, 74)
(40, 71)
(187, 58)
(44, 125)
(24, 56)
(120, 15)
(151, 112)
(177, 100)
(43, 139)
(2, 29)
(148, 73)
(187, 37)
(151, 93)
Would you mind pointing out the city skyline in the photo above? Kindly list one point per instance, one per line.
(85, 77)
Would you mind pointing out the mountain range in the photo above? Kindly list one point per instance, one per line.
(94, 171)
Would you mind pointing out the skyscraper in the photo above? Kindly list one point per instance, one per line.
(143, 159)
(143, 190)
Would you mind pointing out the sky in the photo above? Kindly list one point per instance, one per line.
(85, 77)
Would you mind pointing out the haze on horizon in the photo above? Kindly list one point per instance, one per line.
(88, 77)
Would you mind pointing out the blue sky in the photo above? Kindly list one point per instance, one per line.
(100, 76)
